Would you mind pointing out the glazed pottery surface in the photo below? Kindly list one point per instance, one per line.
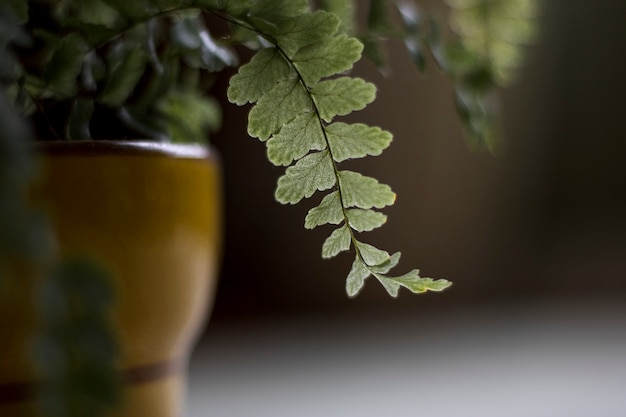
(150, 214)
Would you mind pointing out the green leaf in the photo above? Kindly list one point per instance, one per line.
(338, 241)
(135, 9)
(190, 116)
(414, 283)
(146, 124)
(328, 211)
(327, 57)
(280, 105)
(421, 285)
(65, 64)
(258, 76)
(342, 96)
(390, 285)
(365, 220)
(312, 173)
(345, 10)
(95, 35)
(305, 29)
(356, 140)
(296, 139)
(371, 255)
(386, 266)
(374, 51)
(220, 4)
(157, 84)
(125, 66)
(75, 347)
(278, 10)
(235, 8)
(364, 192)
(356, 278)
(80, 117)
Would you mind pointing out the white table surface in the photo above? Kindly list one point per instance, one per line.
(550, 359)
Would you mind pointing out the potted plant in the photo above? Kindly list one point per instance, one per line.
(115, 93)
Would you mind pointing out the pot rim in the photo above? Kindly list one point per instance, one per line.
(127, 147)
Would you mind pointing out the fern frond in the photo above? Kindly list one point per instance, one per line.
(298, 86)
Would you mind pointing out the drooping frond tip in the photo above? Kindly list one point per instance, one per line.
(298, 87)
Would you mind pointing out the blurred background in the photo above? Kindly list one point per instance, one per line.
(534, 240)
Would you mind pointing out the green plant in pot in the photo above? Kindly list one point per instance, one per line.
(115, 93)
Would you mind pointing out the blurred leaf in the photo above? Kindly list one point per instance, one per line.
(94, 34)
(152, 32)
(96, 13)
(374, 51)
(92, 73)
(190, 34)
(134, 10)
(190, 116)
(410, 17)
(125, 66)
(156, 85)
(345, 10)
(235, 8)
(378, 17)
(416, 52)
(17, 8)
(147, 124)
(65, 65)
(80, 117)
(12, 15)
(417, 35)
(76, 347)
(495, 31)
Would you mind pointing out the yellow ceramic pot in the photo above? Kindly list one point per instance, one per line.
(150, 213)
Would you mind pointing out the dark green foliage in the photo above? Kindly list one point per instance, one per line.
(118, 63)
(76, 349)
